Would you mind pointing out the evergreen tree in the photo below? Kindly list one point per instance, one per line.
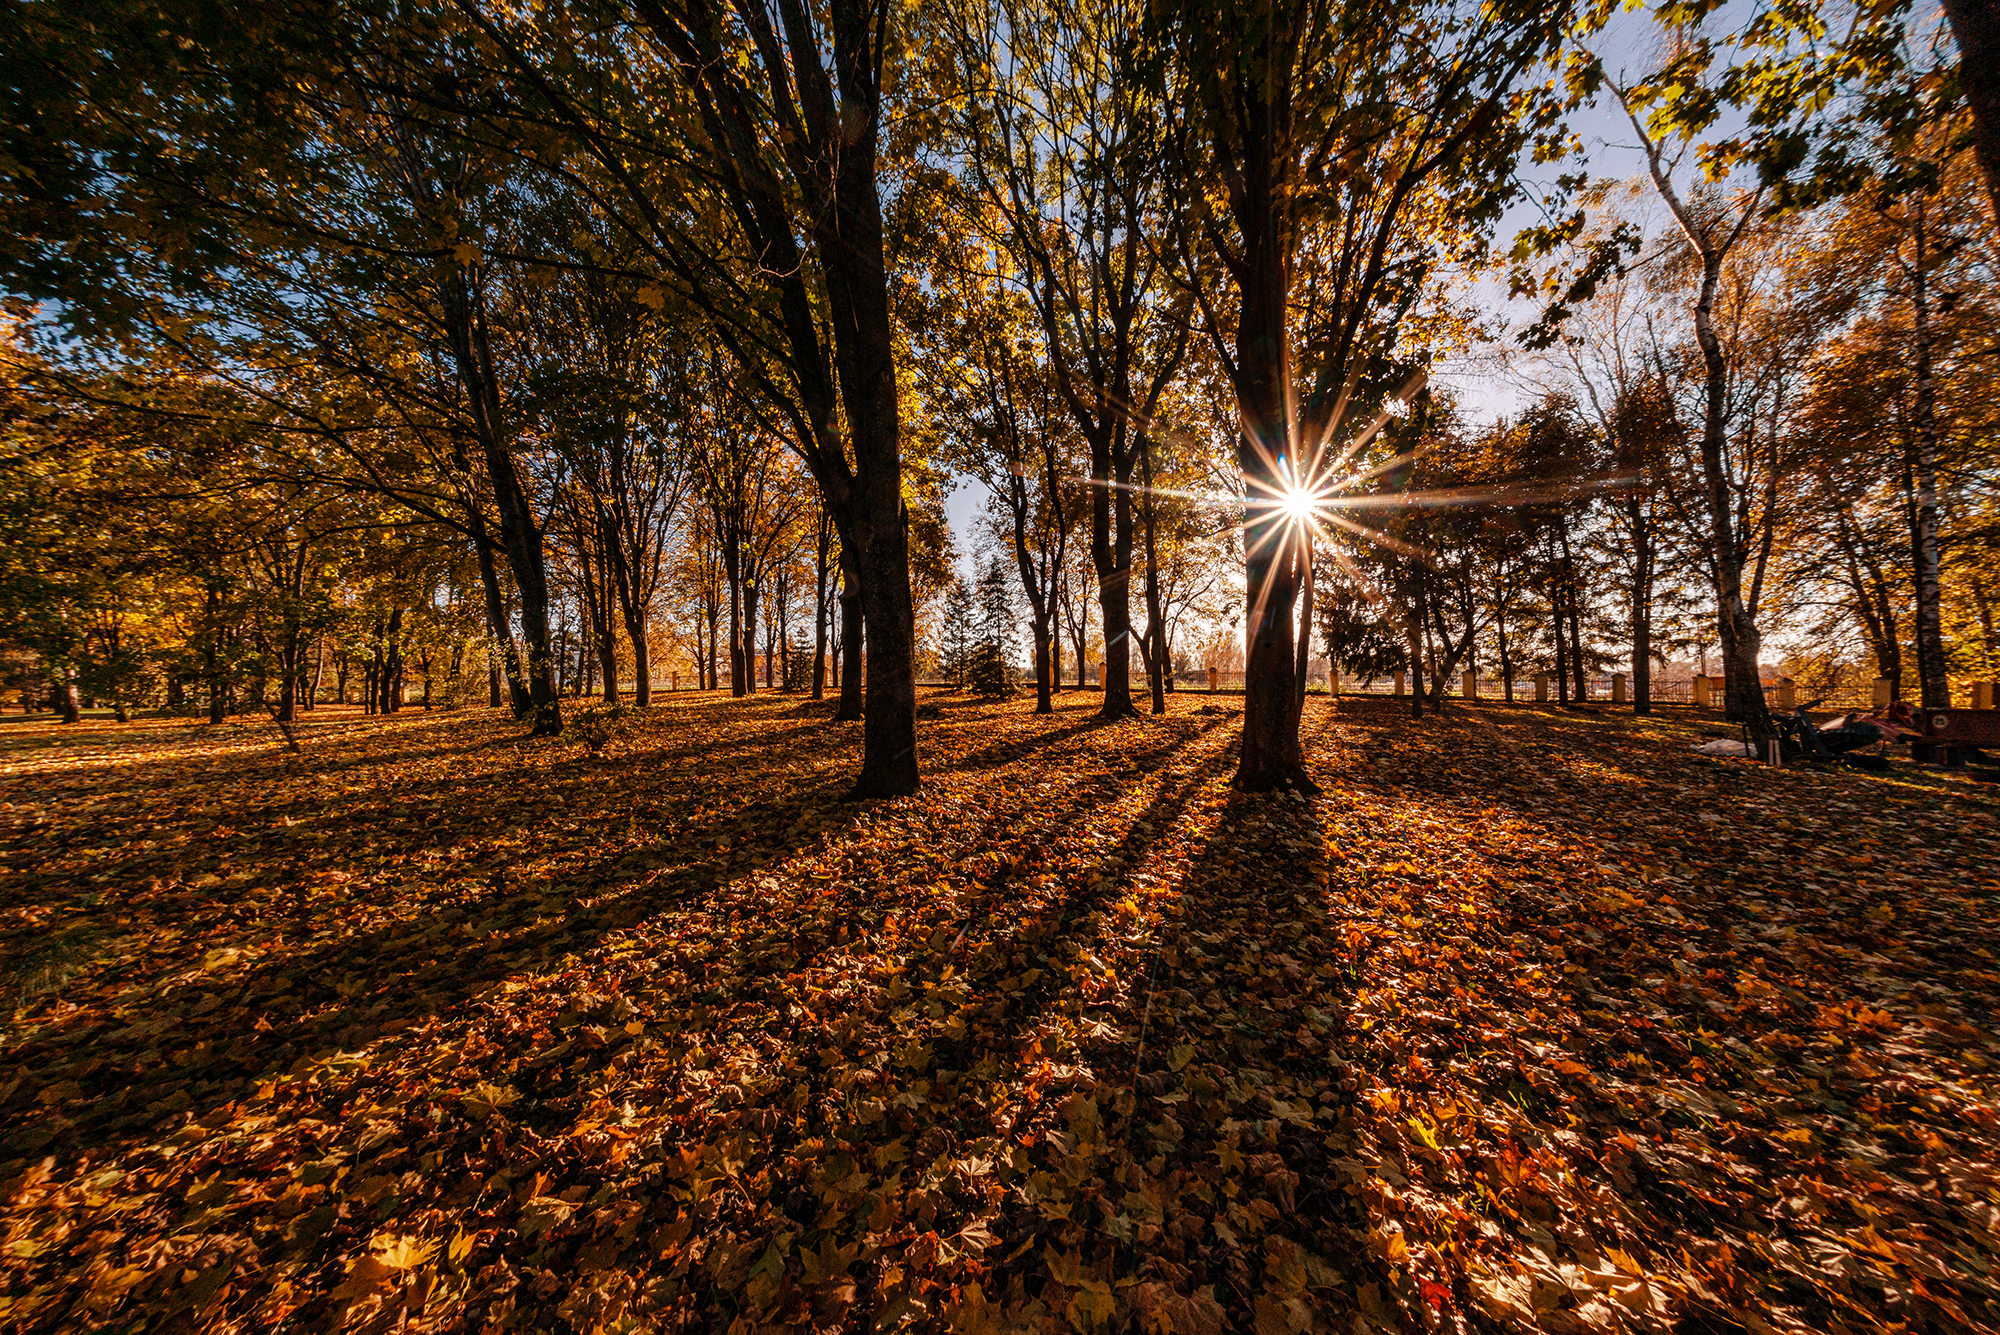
(956, 638)
(989, 667)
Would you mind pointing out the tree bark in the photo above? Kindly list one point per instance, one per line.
(1642, 604)
(642, 658)
(1975, 26)
(392, 664)
(1305, 612)
(1156, 661)
(1573, 603)
(1932, 674)
(851, 631)
(1557, 619)
(498, 624)
(1271, 756)
(821, 553)
(1111, 553)
(211, 658)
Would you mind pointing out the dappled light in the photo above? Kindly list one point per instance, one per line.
(999, 667)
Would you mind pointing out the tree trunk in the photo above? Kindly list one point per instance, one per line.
(1642, 605)
(1742, 688)
(607, 664)
(1413, 632)
(1111, 553)
(1055, 651)
(749, 650)
(714, 643)
(1932, 673)
(1305, 612)
(520, 534)
(642, 660)
(1041, 603)
(1975, 26)
(783, 631)
(1573, 601)
(211, 657)
(392, 664)
(1271, 756)
(821, 554)
(1556, 626)
(851, 631)
(1156, 661)
(498, 624)
(1743, 692)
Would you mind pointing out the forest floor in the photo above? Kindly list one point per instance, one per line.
(1531, 1020)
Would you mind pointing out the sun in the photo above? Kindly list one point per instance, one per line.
(1299, 505)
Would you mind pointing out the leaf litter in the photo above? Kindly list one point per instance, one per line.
(1530, 1020)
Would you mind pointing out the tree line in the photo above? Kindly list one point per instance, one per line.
(499, 341)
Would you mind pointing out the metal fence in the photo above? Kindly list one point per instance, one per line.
(1197, 682)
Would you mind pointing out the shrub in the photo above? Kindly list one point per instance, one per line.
(598, 724)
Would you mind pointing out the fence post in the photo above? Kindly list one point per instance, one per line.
(1541, 688)
(1214, 680)
(1982, 695)
(1788, 696)
(1399, 683)
(1882, 691)
(1617, 688)
(1469, 686)
(1700, 691)
(1332, 679)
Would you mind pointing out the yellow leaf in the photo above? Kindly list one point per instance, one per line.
(365, 1274)
(485, 1100)
(406, 1253)
(972, 1314)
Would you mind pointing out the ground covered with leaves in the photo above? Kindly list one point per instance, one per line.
(1531, 1020)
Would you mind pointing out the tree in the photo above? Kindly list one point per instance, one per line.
(956, 633)
(992, 656)
(1063, 153)
(1332, 156)
(1712, 223)
(763, 212)
(996, 393)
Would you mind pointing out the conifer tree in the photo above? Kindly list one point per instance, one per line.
(996, 630)
(956, 642)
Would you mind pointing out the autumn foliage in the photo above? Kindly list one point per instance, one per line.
(1530, 1020)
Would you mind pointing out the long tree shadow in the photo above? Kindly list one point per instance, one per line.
(1220, 1059)
(196, 1048)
